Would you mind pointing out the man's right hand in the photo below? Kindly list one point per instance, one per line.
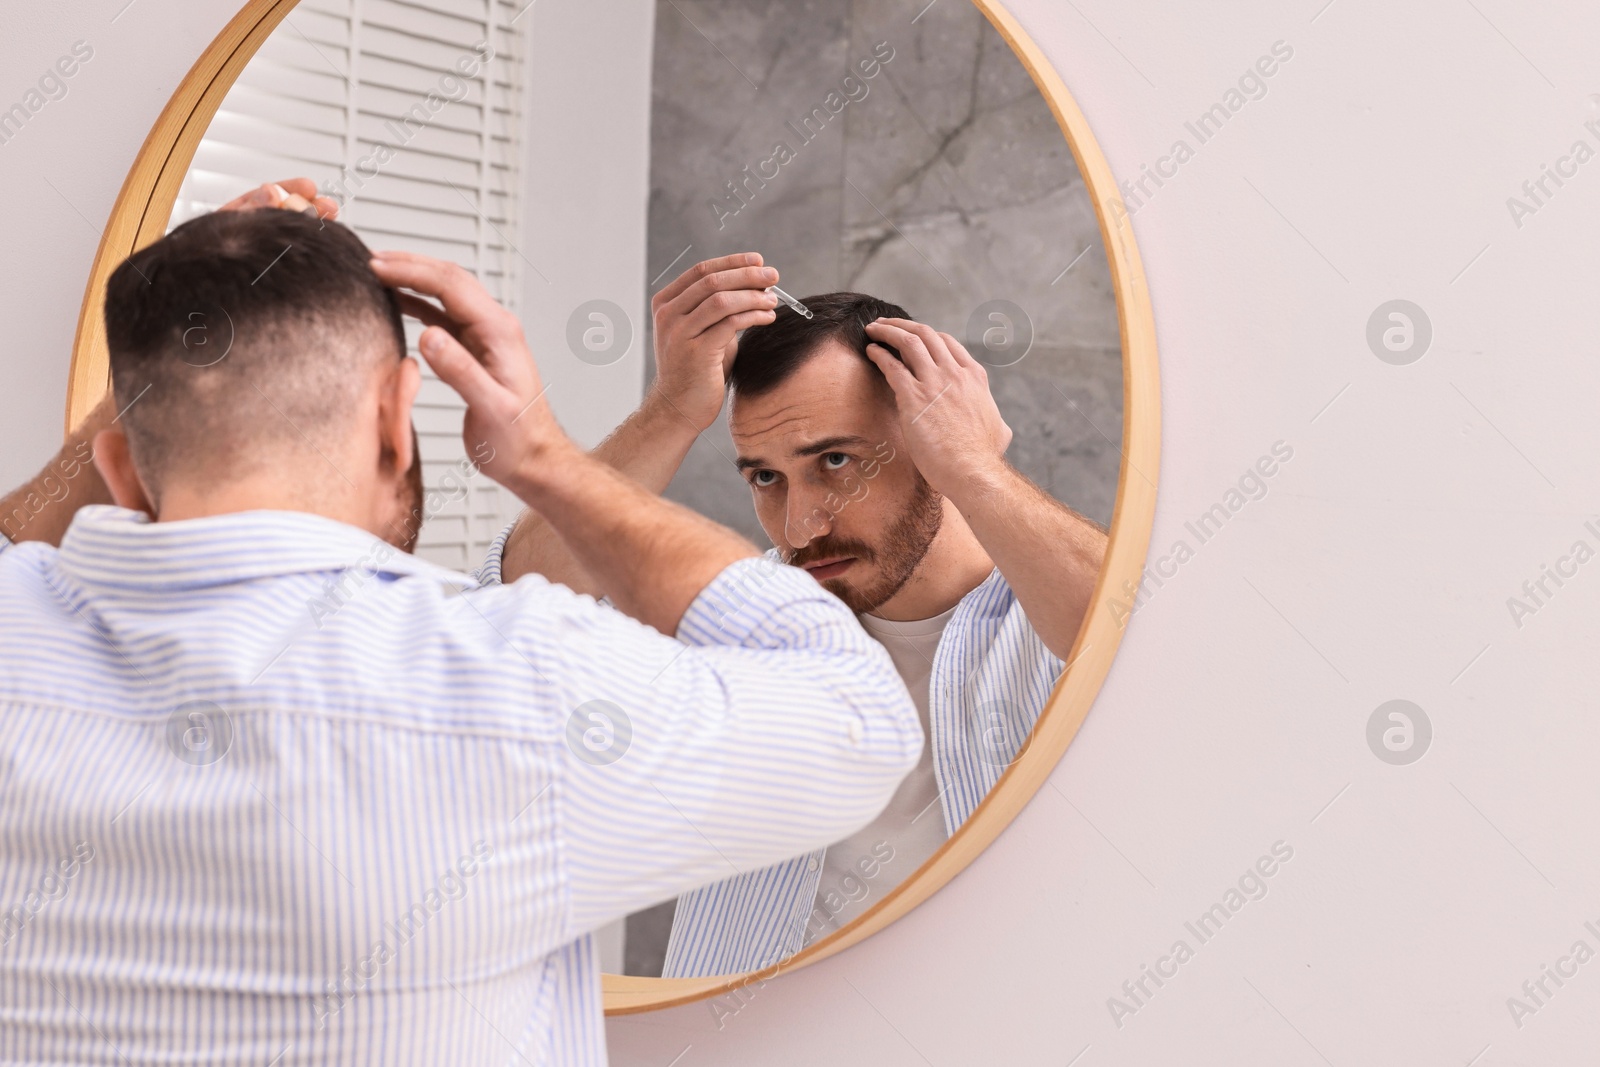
(697, 319)
(291, 194)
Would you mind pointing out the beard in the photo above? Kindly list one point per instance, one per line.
(903, 548)
(404, 530)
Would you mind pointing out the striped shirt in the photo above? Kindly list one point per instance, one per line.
(991, 677)
(273, 792)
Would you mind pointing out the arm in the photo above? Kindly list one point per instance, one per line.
(650, 556)
(1049, 554)
(697, 319)
(773, 725)
(42, 509)
(648, 447)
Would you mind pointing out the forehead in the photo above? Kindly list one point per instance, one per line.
(835, 393)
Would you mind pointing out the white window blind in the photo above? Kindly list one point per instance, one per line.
(336, 82)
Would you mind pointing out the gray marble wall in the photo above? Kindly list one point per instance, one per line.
(946, 185)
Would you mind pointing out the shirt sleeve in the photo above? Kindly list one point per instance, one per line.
(492, 571)
(489, 572)
(771, 725)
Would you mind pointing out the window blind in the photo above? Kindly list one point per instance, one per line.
(368, 98)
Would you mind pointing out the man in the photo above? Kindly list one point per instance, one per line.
(41, 508)
(875, 457)
(276, 791)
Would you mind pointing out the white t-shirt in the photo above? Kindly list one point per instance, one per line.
(857, 871)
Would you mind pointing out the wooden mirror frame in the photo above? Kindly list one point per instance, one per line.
(144, 206)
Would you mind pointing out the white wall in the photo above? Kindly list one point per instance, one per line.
(1378, 566)
(585, 189)
(1415, 904)
(59, 176)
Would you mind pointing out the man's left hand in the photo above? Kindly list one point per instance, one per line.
(947, 415)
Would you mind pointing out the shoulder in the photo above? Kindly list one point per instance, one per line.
(992, 616)
(25, 563)
(991, 598)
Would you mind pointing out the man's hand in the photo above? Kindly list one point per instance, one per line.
(1049, 554)
(697, 319)
(291, 194)
(41, 509)
(476, 347)
(947, 415)
(650, 556)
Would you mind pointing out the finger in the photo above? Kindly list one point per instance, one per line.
(460, 369)
(719, 306)
(913, 350)
(268, 195)
(292, 194)
(932, 339)
(721, 335)
(897, 373)
(962, 356)
(429, 314)
(304, 188)
(691, 303)
(700, 270)
(298, 203)
(465, 300)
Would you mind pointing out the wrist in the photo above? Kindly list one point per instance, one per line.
(667, 420)
(979, 481)
(541, 469)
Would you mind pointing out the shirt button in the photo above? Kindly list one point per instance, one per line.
(811, 864)
(854, 730)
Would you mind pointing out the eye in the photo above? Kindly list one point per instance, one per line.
(834, 461)
(763, 478)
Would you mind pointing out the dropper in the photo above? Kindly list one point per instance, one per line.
(794, 305)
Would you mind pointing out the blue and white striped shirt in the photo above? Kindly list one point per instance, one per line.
(991, 677)
(272, 792)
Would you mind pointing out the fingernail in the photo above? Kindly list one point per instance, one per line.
(282, 193)
(769, 273)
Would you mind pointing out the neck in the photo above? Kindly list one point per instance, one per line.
(183, 501)
(954, 566)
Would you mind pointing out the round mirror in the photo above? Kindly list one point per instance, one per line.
(888, 162)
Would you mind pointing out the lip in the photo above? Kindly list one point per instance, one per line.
(829, 568)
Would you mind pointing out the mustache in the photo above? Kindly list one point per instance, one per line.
(829, 548)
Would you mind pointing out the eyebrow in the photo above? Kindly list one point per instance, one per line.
(816, 448)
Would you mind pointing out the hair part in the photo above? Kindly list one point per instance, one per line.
(769, 355)
(242, 335)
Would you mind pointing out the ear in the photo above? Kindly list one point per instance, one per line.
(399, 395)
(115, 465)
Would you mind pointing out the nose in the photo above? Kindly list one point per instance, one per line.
(805, 518)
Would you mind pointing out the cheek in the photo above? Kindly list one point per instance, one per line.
(769, 506)
(881, 500)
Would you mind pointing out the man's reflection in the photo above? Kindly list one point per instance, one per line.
(875, 457)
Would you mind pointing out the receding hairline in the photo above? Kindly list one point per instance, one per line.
(808, 355)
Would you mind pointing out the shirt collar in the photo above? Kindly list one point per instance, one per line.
(118, 546)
